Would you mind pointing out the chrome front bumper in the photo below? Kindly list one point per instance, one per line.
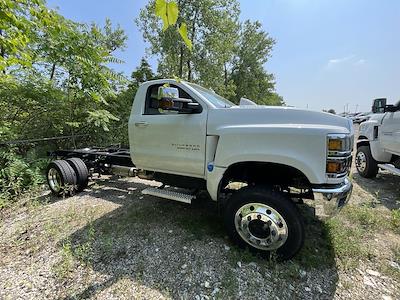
(329, 200)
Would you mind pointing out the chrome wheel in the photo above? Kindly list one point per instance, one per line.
(54, 180)
(261, 226)
(361, 161)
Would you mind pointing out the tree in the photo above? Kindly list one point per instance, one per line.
(227, 56)
(19, 23)
(249, 76)
(212, 26)
(56, 79)
(142, 73)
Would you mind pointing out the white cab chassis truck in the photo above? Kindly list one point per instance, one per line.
(257, 162)
(378, 144)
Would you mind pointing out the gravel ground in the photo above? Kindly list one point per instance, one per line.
(112, 242)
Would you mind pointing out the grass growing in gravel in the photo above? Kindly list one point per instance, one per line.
(368, 217)
(392, 268)
(395, 220)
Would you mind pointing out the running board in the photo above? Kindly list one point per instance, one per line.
(390, 168)
(167, 194)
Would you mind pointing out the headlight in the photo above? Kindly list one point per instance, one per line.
(335, 144)
(338, 161)
(338, 144)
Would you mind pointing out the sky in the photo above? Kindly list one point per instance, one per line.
(328, 53)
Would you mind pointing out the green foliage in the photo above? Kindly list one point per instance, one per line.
(55, 79)
(18, 175)
(101, 118)
(248, 74)
(226, 55)
(168, 12)
(183, 32)
(142, 73)
(19, 20)
(68, 78)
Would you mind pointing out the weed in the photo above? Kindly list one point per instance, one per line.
(395, 220)
(366, 216)
(64, 267)
(84, 251)
(228, 285)
(346, 241)
(236, 255)
(392, 268)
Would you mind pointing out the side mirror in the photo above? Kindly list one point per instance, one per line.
(165, 92)
(391, 108)
(169, 100)
(378, 105)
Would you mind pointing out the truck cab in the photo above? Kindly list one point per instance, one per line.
(378, 145)
(189, 137)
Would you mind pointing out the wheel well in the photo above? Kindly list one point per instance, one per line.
(362, 141)
(265, 173)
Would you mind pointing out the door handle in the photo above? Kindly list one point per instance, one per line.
(141, 124)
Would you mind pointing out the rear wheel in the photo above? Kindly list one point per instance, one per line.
(366, 165)
(265, 221)
(81, 171)
(61, 177)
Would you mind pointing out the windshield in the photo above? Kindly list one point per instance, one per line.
(214, 98)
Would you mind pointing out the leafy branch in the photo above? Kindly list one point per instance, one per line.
(168, 12)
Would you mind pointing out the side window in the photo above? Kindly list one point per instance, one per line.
(151, 104)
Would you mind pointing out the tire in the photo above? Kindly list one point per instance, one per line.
(269, 219)
(366, 165)
(61, 178)
(81, 171)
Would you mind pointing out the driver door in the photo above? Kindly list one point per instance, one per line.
(390, 132)
(169, 141)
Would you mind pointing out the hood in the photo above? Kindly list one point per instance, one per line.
(276, 116)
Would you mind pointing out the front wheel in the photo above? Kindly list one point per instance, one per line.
(366, 165)
(265, 221)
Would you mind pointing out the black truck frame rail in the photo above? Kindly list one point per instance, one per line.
(101, 160)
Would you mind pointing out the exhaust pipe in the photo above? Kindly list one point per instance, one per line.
(123, 171)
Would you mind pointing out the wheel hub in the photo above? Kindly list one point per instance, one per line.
(261, 226)
(361, 161)
(54, 179)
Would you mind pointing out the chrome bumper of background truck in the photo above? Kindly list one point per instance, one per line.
(329, 200)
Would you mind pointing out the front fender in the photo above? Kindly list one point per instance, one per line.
(302, 147)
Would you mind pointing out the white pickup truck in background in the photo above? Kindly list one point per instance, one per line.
(378, 144)
(191, 139)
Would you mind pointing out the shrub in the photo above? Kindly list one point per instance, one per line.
(18, 175)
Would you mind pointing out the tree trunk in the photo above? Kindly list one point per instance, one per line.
(189, 77)
(225, 75)
(2, 50)
(53, 69)
(181, 62)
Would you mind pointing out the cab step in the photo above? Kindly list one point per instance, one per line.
(168, 194)
(389, 167)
